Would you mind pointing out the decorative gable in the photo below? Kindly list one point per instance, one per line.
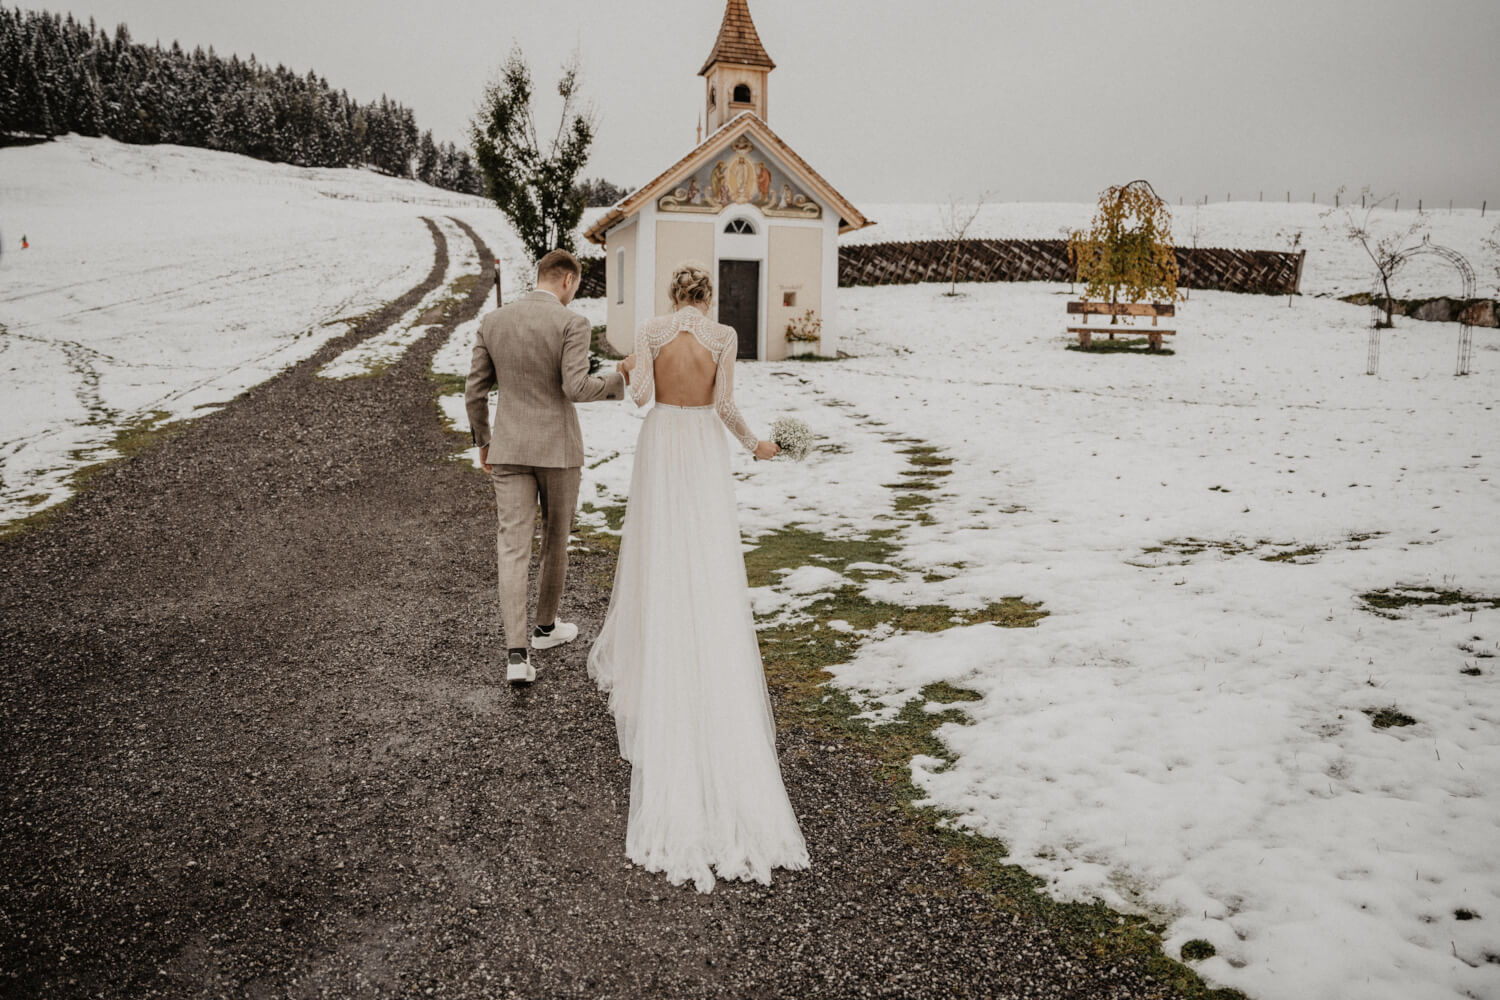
(698, 182)
(745, 175)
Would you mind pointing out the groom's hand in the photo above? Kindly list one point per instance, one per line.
(484, 454)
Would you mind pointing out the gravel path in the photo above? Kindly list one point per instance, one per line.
(258, 744)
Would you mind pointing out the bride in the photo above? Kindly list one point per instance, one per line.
(677, 651)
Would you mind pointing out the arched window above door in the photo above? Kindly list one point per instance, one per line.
(740, 227)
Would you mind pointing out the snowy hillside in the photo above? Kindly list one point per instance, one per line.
(162, 281)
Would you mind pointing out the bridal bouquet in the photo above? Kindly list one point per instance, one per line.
(793, 437)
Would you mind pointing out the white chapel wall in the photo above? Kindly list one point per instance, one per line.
(795, 269)
(620, 315)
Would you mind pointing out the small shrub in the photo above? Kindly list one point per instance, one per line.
(1390, 715)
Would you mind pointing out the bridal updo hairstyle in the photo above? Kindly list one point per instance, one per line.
(691, 284)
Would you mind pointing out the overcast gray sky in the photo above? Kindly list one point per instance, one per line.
(900, 100)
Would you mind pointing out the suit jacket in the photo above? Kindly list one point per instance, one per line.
(537, 351)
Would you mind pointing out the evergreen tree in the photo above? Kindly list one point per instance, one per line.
(428, 159)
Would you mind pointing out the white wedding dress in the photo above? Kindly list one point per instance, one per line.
(677, 651)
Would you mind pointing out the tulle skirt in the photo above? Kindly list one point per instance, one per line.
(678, 655)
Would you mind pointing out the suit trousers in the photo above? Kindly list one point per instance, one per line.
(518, 491)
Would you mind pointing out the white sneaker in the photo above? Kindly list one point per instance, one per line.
(520, 671)
(561, 632)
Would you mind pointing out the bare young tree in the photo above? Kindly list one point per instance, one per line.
(1492, 244)
(1292, 238)
(1195, 231)
(1384, 250)
(956, 219)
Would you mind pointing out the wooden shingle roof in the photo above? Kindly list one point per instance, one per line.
(738, 42)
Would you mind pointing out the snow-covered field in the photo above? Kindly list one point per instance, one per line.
(1184, 733)
(162, 281)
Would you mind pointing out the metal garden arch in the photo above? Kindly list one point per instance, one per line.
(1465, 328)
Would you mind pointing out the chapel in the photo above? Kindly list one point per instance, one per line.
(744, 203)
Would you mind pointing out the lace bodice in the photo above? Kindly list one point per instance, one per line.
(718, 339)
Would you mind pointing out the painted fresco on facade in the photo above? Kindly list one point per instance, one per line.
(746, 176)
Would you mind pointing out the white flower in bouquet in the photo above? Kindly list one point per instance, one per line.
(793, 437)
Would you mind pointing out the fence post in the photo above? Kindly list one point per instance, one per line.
(1419, 206)
(497, 283)
(1482, 206)
(1398, 206)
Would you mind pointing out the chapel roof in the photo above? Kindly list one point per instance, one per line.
(738, 42)
(850, 218)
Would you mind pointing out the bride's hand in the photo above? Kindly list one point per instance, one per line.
(767, 450)
(626, 366)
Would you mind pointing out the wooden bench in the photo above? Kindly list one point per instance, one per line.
(1153, 333)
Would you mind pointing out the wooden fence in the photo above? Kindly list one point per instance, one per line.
(591, 285)
(1259, 272)
(1263, 272)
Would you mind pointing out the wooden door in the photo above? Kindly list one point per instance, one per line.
(739, 303)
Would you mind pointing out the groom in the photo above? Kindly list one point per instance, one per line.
(537, 351)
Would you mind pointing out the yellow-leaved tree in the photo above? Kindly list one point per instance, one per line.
(1126, 254)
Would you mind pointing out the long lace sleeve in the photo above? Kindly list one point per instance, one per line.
(643, 376)
(724, 397)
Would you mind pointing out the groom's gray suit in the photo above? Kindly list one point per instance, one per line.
(536, 351)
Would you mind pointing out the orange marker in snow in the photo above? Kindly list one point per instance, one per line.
(24, 244)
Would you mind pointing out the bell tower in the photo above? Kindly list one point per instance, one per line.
(736, 71)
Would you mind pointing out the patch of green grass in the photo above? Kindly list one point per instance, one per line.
(792, 546)
(1181, 550)
(602, 542)
(1471, 671)
(813, 358)
(1292, 555)
(1133, 345)
(913, 484)
(911, 501)
(1197, 950)
(1389, 716)
(925, 456)
(447, 383)
(130, 439)
(1392, 599)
